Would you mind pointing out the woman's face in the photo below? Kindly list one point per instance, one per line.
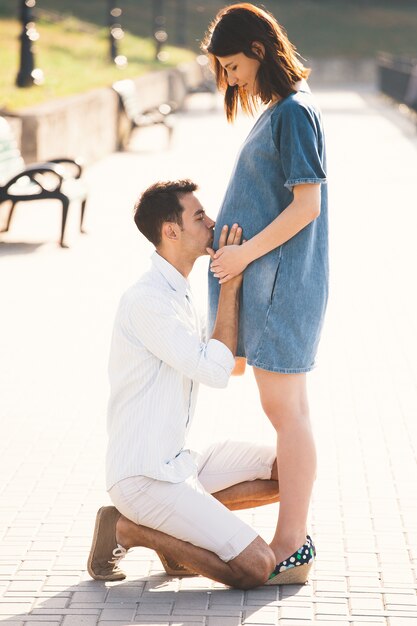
(241, 70)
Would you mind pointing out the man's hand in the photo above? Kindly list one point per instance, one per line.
(232, 238)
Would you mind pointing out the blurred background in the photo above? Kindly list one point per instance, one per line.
(74, 36)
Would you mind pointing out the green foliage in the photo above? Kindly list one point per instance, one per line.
(74, 58)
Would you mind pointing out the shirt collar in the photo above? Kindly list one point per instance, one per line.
(176, 281)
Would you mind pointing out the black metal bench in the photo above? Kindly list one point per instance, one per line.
(58, 179)
(138, 116)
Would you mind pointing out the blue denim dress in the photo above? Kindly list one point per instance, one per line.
(284, 293)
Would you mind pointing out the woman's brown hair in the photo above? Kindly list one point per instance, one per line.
(234, 30)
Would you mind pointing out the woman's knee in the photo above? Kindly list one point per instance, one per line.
(286, 416)
(283, 396)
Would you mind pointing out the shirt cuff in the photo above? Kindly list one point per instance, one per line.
(220, 353)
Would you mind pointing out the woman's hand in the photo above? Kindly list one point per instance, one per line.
(229, 261)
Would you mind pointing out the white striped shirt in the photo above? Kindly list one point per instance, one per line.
(158, 356)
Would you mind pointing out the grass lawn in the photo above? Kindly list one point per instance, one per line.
(73, 57)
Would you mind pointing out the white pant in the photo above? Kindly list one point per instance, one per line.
(186, 510)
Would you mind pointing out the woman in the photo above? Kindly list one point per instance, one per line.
(277, 193)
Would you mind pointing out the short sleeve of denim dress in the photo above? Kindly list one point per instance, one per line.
(284, 293)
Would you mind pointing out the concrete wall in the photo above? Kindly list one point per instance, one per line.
(16, 126)
(86, 125)
(83, 125)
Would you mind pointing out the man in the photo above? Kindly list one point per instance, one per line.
(159, 355)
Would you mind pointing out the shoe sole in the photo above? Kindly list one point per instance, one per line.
(90, 570)
(174, 572)
(293, 576)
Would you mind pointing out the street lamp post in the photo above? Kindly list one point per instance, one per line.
(159, 32)
(181, 22)
(27, 74)
(115, 33)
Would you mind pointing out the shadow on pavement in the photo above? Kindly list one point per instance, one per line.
(18, 247)
(154, 600)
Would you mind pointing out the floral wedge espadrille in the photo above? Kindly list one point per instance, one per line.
(295, 569)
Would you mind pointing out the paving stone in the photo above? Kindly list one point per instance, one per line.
(331, 608)
(327, 620)
(400, 599)
(192, 600)
(9, 606)
(80, 620)
(38, 613)
(367, 603)
(25, 585)
(261, 616)
(296, 612)
(221, 621)
(41, 620)
(61, 581)
(119, 613)
(370, 619)
(229, 596)
(189, 623)
(88, 596)
(51, 603)
(43, 623)
(35, 566)
(261, 596)
(301, 622)
(149, 609)
(194, 622)
(117, 623)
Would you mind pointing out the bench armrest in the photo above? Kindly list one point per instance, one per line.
(72, 163)
(32, 170)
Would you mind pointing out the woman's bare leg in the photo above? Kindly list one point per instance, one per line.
(251, 493)
(284, 400)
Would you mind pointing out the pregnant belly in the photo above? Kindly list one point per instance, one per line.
(247, 217)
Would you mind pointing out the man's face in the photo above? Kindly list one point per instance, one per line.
(197, 227)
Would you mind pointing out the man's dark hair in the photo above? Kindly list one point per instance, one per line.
(161, 203)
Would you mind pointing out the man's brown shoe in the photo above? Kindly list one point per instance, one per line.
(106, 553)
(175, 569)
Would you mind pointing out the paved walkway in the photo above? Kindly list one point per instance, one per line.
(57, 309)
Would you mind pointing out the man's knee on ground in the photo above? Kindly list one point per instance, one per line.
(253, 566)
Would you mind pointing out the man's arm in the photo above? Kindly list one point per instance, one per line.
(154, 321)
(227, 318)
(226, 324)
